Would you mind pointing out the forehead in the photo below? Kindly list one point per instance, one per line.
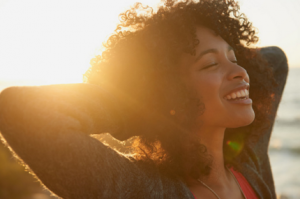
(209, 39)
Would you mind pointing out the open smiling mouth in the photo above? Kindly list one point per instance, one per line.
(241, 96)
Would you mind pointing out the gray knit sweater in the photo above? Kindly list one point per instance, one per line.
(49, 128)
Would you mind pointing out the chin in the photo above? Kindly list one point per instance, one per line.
(245, 121)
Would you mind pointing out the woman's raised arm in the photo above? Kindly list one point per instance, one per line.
(48, 127)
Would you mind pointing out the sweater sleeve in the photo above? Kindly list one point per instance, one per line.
(258, 163)
(48, 127)
(277, 59)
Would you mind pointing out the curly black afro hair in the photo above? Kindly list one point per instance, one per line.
(140, 67)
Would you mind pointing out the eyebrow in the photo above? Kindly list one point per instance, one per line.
(212, 50)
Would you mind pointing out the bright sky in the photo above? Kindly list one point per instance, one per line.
(53, 41)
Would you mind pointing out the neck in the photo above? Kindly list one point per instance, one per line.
(213, 138)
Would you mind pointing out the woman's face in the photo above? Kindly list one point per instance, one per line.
(220, 83)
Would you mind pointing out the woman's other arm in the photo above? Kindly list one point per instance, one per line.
(278, 61)
(258, 163)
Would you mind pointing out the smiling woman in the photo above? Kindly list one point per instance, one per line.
(215, 75)
(184, 81)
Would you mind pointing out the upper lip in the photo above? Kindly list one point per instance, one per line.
(240, 87)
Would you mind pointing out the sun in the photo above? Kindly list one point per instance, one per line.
(52, 42)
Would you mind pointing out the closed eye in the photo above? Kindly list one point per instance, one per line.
(234, 61)
(210, 65)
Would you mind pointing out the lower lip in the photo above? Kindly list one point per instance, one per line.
(242, 101)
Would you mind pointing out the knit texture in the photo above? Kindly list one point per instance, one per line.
(49, 129)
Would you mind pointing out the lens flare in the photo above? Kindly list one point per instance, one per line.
(234, 145)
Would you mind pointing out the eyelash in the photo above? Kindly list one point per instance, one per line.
(210, 65)
(214, 64)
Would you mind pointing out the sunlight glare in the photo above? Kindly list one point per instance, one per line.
(53, 41)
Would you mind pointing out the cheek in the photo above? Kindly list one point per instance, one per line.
(208, 89)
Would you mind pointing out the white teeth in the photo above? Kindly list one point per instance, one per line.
(233, 95)
(241, 93)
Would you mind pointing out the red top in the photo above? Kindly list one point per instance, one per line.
(247, 189)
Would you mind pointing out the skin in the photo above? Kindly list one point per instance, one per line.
(212, 76)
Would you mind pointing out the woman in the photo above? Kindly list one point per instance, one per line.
(179, 80)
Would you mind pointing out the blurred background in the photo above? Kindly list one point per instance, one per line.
(51, 42)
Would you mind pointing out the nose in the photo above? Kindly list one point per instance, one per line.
(238, 72)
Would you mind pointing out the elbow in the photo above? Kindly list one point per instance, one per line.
(276, 58)
(8, 105)
(7, 96)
